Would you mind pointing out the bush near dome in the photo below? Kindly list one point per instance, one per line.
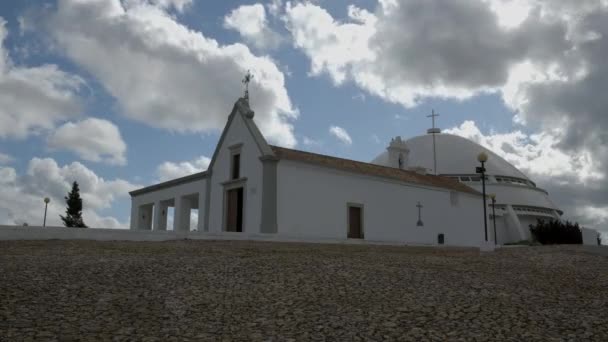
(554, 232)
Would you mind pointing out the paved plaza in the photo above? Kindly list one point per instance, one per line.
(262, 291)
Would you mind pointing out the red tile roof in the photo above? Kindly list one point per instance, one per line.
(372, 169)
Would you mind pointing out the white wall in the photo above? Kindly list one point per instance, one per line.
(589, 236)
(312, 202)
(195, 187)
(251, 167)
(97, 234)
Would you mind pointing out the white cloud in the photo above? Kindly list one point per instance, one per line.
(166, 75)
(310, 142)
(5, 158)
(537, 154)
(332, 47)
(341, 134)
(510, 13)
(34, 98)
(91, 139)
(408, 50)
(179, 5)
(21, 196)
(170, 170)
(360, 96)
(597, 215)
(251, 23)
(275, 7)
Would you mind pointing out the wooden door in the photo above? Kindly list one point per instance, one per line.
(234, 210)
(231, 210)
(239, 209)
(355, 226)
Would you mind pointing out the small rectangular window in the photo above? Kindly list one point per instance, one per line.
(236, 166)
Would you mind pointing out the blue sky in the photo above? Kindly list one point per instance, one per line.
(163, 121)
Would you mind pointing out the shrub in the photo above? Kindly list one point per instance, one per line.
(556, 232)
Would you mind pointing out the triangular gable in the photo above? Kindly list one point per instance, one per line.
(241, 107)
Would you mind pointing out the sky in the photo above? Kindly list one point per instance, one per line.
(120, 94)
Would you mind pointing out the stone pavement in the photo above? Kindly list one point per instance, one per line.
(260, 291)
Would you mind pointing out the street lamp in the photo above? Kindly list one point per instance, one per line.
(483, 158)
(493, 197)
(46, 204)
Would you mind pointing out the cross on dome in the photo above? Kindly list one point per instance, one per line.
(433, 131)
(433, 115)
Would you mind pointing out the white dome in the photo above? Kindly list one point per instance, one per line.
(455, 156)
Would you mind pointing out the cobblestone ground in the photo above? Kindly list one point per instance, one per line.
(253, 291)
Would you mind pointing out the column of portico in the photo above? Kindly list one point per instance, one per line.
(145, 217)
(134, 216)
(160, 215)
(182, 214)
(201, 211)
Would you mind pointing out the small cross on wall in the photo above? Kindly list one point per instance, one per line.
(419, 223)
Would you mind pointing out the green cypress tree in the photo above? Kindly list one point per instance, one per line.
(73, 217)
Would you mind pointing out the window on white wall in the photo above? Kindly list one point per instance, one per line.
(235, 160)
(236, 165)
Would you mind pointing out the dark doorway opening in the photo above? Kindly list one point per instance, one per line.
(440, 239)
(234, 210)
(355, 222)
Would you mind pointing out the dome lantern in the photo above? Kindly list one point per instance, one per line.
(398, 153)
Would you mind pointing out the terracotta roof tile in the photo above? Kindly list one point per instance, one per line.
(372, 169)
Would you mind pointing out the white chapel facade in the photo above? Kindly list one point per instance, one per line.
(252, 188)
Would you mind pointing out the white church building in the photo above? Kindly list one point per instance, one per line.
(405, 195)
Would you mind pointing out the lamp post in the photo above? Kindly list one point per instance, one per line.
(46, 204)
(493, 197)
(483, 158)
